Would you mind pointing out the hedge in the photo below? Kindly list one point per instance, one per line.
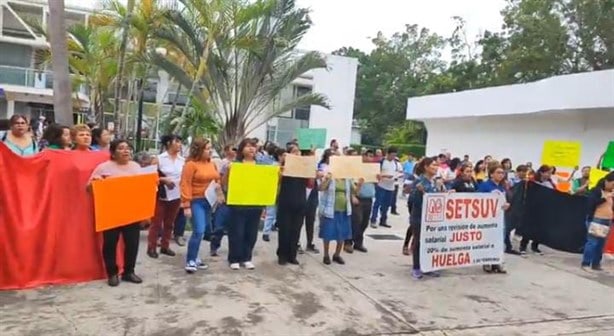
(417, 150)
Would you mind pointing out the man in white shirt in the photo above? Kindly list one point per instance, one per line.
(398, 178)
(385, 188)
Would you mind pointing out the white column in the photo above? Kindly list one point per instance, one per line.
(10, 108)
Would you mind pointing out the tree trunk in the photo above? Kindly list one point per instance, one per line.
(119, 128)
(62, 92)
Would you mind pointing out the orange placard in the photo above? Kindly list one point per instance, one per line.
(124, 200)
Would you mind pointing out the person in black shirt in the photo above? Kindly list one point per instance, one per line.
(291, 206)
(465, 181)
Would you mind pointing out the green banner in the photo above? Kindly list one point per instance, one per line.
(608, 158)
(311, 138)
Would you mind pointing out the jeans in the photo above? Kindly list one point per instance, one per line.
(593, 249)
(269, 220)
(201, 216)
(383, 198)
(131, 234)
(220, 223)
(415, 246)
(180, 221)
(242, 232)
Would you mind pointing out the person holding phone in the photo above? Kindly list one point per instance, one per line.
(120, 164)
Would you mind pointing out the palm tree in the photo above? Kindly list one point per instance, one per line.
(93, 59)
(62, 92)
(244, 53)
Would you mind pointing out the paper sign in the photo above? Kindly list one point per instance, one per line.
(311, 138)
(119, 201)
(346, 167)
(370, 171)
(300, 166)
(250, 184)
(595, 176)
(608, 158)
(461, 230)
(562, 153)
(211, 194)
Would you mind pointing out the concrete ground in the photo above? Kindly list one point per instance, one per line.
(372, 294)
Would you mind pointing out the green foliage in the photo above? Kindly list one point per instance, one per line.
(240, 56)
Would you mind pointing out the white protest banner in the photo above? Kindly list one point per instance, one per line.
(461, 229)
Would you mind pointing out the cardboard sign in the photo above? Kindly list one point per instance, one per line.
(119, 201)
(311, 138)
(300, 166)
(346, 167)
(370, 171)
(250, 184)
(461, 230)
(562, 153)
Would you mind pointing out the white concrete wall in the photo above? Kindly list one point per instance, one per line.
(339, 85)
(578, 91)
(521, 137)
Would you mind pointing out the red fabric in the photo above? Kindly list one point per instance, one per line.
(46, 220)
(609, 244)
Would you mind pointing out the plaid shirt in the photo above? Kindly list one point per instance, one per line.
(327, 199)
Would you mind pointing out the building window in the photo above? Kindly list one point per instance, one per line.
(303, 112)
(271, 133)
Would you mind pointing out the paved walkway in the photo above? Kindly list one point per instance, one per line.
(372, 294)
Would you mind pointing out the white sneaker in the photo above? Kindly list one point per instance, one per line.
(235, 266)
(249, 265)
(191, 267)
(201, 265)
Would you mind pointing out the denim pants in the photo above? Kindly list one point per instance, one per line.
(201, 216)
(593, 249)
(383, 199)
(220, 219)
(242, 232)
(269, 219)
(180, 222)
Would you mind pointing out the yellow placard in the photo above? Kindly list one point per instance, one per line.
(250, 184)
(562, 153)
(595, 176)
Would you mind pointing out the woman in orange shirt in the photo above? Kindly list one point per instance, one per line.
(197, 175)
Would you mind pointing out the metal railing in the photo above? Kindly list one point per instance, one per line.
(26, 77)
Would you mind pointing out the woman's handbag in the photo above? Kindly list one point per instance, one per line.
(598, 230)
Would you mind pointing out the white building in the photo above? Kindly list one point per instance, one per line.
(337, 83)
(24, 89)
(514, 120)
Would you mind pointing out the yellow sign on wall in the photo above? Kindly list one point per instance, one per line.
(596, 175)
(562, 153)
(250, 184)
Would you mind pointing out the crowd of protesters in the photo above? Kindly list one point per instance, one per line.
(344, 207)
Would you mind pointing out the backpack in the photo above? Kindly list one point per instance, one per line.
(5, 134)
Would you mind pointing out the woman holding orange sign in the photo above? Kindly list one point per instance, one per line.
(120, 164)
